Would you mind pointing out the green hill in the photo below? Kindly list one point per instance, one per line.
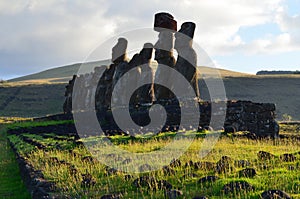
(60, 73)
(43, 93)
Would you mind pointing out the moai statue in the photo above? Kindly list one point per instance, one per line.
(67, 107)
(108, 82)
(187, 58)
(141, 63)
(146, 95)
(78, 101)
(101, 90)
(165, 24)
(105, 84)
(87, 90)
(117, 70)
(93, 86)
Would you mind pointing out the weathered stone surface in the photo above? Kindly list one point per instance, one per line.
(122, 67)
(200, 197)
(111, 171)
(128, 177)
(187, 58)
(168, 171)
(224, 165)
(164, 20)
(164, 185)
(190, 163)
(204, 165)
(174, 194)
(144, 181)
(144, 72)
(275, 194)
(67, 107)
(164, 53)
(151, 183)
(119, 51)
(248, 173)
(190, 175)
(208, 179)
(237, 187)
(242, 163)
(112, 196)
(87, 181)
(288, 157)
(175, 163)
(263, 155)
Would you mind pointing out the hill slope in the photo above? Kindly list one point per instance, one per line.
(63, 73)
(43, 93)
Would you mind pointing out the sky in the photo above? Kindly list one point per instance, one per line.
(240, 35)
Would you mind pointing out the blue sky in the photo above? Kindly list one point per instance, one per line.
(244, 36)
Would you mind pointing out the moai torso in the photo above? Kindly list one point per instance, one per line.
(108, 82)
(143, 72)
(67, 107)
(120, 67)
(165, 24)
(187, 58)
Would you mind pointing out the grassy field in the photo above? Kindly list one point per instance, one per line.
(77, 174)
(11, 185)
(31, 100)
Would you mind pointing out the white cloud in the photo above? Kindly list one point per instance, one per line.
(47, 33)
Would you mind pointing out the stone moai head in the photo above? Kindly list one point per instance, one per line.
(184, 37)
(74, 77)
(146, 52)
(163, 21)
(165, 24)
(119, 51)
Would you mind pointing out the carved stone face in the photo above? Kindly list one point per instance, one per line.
(184, 36)
(165, 41)
(164, 21)
(188, 28)
(146, 53)
(180, 42)
(119, 51)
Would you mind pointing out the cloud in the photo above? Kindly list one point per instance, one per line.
(288, 40)
(39, 34)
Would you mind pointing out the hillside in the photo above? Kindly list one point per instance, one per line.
(43, 93)
(63, 73)
(278, 72)
(284, 91)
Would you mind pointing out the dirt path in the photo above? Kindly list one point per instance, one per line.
(11, 185)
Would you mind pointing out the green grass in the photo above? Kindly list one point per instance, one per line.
(11, 185)
(55, 165)
(29, 124)
(32, 100)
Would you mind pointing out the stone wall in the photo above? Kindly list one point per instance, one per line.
(257, 118)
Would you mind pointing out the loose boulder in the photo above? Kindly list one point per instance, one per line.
(237, 187)
(263, 155)
(272, 194)
(247, 173)
(287, 157)
(173, 194)
(208, 179)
